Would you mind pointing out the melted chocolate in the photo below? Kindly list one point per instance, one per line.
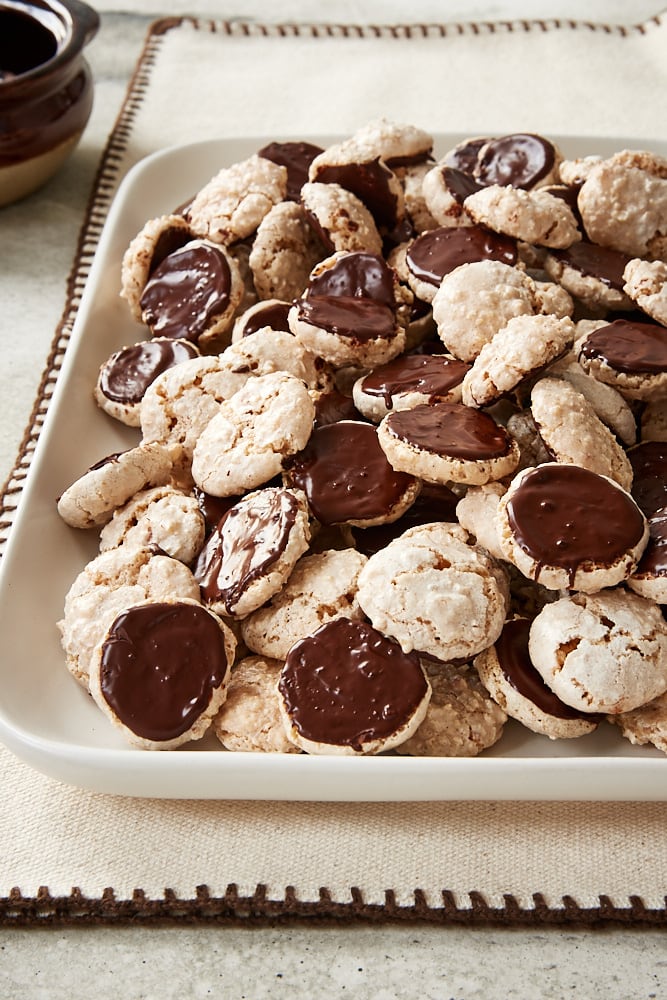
(452, 430)
(359, 319)
(128, 373)
(595, 261)
(274, 314)
(519, 160)
(370, 182)
(654, 558)
(247, 541)
(296, 157)
(213, 509)
(434, 503)
(187, 291)
(169, 241)
(514, 661)
(629, 347)
(356, 275)
(464, 156)
(459, 183)
(347, 684)
(107, 460)
(345, 474)
(568, 517)
(432, 375)
(160, 666)
(330, 407)
(437, 252)
(649, 475)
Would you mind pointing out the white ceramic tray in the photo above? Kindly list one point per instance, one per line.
(47, 719)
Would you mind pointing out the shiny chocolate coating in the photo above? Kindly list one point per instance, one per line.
(649, 475)
(169, 241)
(273, 314)
(356, 275)
(213, 509)
(345, 474)
(568, 517)
(451, 430)
(332, 406)
(597, 262)
(514, 660)
(296, 157)
(248, 540)
(437, 252)
(370, 182)
(187, 291)
(128, 373)
(519, 160)
(431, 375)
(464, 155)
(160, 666)
(654, 558)
(348, 684)
(459, 183)
(630, 347)
(359, 319)
(434, 503)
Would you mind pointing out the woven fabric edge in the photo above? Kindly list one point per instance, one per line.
(46, 910)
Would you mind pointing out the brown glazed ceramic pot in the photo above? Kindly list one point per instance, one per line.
(46, 89)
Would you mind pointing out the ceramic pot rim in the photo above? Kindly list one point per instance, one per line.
(80, 23)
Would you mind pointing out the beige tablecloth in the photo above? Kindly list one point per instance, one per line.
(73, 855)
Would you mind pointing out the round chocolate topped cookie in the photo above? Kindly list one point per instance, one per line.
(346, 476)
(650, 577)
(567, 527)
(434, 503)
(628, 354)
(649, 468)
(124, 378)
(296, 157)
(193, 293)
(349, 689)
(373, 183)
(520, 160)
(355, 275)
(464, 155)
(161, 672)
(442, 442)
(591, 273)
(509, 676)
(408, 381)
(435, 253)
(270, 313)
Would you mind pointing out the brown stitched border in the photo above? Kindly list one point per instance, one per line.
(46, 910)
(257, 910)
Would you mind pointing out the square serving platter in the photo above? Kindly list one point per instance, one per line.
(47, 719)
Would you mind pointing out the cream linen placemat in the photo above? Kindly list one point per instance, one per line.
(69, 855)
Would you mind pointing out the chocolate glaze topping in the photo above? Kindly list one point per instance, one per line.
(450, 429)
(654, 559)
(359, 319)
(432, 375)
(459, 183)
(514, 661)
(356, 275)
(437, 252)
(464, 156)
(187, 291)
(519, 160)
(595, 261)
(649, 475)
(434, 503)
(274, 314)
(568, 517)
(628, 346)
(347, 685)
(332, 406)
(160, 666)
(128, 373)
(213, 509)
(247, 541)
(296, 157)
(169, 241)
(370, 183)
(345, 474)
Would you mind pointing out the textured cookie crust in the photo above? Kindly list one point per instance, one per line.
(646, 724)
(267, 351)
(341, 220)
(250, 719)
(161, 516)
(646, 284)
(91, 500)
(111, 582)
(138, 258)
(612, 409)
(245, 443)
(532, 216)
(232, 204)
(476, 512)
(321, 587)
(574, 434)
(284, 251)
(434, 592)
(604, 652)
(461, 719)
(525, 346)
(475, 301)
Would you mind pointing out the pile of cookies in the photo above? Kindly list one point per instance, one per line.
(401, 468)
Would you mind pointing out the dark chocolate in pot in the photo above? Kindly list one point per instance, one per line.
(160, 665)
(347, 684)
